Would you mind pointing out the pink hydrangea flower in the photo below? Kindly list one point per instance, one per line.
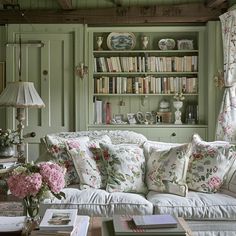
(22, 185)
(30, 180)
(53, 175)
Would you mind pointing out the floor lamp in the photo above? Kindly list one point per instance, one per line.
(20, 95)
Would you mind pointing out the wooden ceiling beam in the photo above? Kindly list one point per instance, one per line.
(6, 1)
(215, 3)
(65, 4)
(184, 13)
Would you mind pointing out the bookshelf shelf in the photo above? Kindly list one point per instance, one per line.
(141, 94)
(138, 80)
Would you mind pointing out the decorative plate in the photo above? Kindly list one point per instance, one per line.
(121, 41)
(166, 44)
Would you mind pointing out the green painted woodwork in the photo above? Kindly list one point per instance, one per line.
(69, 107)
(2, 58)
(147, 103)
(215, 64)
(51, 68)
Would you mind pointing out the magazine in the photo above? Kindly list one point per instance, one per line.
(155, 221)
(12, 223)
(125, 226)
(59, 219)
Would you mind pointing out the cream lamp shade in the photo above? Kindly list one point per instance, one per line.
(20, 94)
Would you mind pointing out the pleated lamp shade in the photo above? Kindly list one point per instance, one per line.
(20, 94)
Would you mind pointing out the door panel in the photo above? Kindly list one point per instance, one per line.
(50, 68)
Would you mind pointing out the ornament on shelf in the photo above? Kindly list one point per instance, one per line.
(178, 105)
(145, 41)
(99, 43)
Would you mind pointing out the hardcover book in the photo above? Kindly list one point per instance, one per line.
(59, 219)
(155, 221)
(125, 226)
(81, 229)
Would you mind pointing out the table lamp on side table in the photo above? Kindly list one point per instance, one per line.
(20, 95)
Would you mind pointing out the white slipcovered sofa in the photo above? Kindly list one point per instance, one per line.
(196, 181)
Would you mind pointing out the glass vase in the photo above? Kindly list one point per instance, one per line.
(31, 206)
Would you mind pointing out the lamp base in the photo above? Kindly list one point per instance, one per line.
(20, 116)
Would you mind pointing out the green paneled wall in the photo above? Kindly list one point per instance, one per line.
(2, 58)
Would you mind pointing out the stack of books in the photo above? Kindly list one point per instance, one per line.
(62, 222)
(148, 225)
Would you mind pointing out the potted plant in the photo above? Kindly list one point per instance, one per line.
(7, 140)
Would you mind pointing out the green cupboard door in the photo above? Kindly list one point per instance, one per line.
(50, 68)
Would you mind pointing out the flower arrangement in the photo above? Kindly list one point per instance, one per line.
(7, 138)
(32, 182)
(179, 97)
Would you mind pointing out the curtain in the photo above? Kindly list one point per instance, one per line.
(226, 123)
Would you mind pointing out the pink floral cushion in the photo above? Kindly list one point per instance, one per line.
(57, 148)
(88, 166)
(208, 165)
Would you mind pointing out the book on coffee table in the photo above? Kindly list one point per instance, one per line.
(80, 229)
(155, 221)
(59, 219)
(125, 226)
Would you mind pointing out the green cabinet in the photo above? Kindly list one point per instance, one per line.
(135, 69)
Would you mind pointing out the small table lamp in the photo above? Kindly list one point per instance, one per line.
(20, 95)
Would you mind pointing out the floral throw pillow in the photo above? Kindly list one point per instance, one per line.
(57, 148)
(86, 163)
(209, 163)
(166, 170)
(126, 168)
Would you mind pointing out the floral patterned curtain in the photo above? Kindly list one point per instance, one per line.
(226, 125)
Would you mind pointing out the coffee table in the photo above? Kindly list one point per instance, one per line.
(98, 228)
(213, 227)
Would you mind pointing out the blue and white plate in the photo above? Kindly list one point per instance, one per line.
(121, 41)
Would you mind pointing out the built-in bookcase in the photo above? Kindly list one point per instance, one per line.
(136, 80)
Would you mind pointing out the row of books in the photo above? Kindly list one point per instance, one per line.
(146, 64)
(102, 112)
(145, 85)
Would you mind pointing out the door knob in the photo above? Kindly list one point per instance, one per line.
(173, 134)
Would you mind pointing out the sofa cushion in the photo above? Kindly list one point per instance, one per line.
(196, 205)
(116, 136)
(90, 169)
(166, 170)
(208, 164)
(98, 202)
(230, 179)
(57, 148)
(148, 146)
(126, 168)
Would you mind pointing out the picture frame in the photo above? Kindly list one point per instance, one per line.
(185, 44)
(2, 76)
(119, 118)
(131, 118)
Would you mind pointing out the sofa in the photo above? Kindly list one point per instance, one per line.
(113, 172)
